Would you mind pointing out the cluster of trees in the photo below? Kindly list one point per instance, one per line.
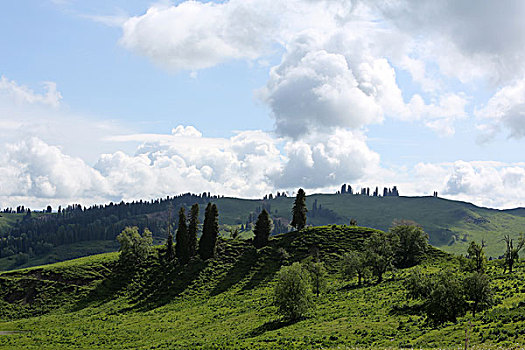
(135, 247)
(404, 245)
(447, 295)
(271, 196)
(37, 235)
(347, 189)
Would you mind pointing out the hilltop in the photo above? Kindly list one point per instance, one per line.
(75, 232)
(226, 302)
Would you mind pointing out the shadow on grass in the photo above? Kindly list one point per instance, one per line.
(237, 272)
(163, 284)
(270, 326)
(406, 309)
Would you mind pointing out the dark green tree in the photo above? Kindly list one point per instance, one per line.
(512, 253)
(380, 253)
(411, 243)
(210, 231)
(262, 230)
(477, 256)
(182, 238)
(442, 294)
(170, 249)
(293, 293)
(299, 210)
(355, 263)
(193, 229)
(478, 293)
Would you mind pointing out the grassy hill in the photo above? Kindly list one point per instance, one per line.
(92, 303)
(451, 225)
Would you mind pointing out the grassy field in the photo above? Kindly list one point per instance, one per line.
(226, 303)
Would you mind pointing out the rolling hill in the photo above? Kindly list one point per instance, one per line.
(451, 225)
(226, 303)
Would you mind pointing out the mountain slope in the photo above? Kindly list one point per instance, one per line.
(227, 303)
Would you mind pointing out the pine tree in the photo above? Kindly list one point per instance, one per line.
(192, 230)
(170, 250)
(181, 247)
(210, 231)
(263, 228)
(299, 210)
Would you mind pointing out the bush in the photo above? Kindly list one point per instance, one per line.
(292, 293)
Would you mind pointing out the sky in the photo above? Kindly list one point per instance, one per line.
(123, 100)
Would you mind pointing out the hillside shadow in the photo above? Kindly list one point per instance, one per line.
(237, 272)
(270, 326)
(118, 279)
(406, 309)
(163, 284)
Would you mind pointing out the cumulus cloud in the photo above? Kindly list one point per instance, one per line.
(248, 164)
(196, 35)
(337, 69)
(506, 108)
(326, 160)
(468, 39)
(490, 184)
(32, 168)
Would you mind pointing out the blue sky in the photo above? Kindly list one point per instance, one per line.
(111, 100)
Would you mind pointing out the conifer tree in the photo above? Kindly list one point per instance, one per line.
(210, 231)
(299, 210)
(170, 249)
(192, 230)
(262, 230)
(181, 247)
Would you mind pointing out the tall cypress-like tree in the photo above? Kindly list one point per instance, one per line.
(210, 231)
(262, 230)
(192, 230)
(170, 249)
(181, 247)
(299, 210)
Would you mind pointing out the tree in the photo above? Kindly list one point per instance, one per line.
(262, 230)
(317, 276)
(299, 210)
(355, 263)
(182, 238)
(512, 253)
(353, 222)
(478, 292)
(134, 247)
(292, 293)
(410, 243)
(170, 249)
(210, 231)
(193, 229)
(379, 253)
(477, 255)
(442, 294)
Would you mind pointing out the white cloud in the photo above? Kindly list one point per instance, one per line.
(507, 108)
(22, 94)
(326, 160)
(196, 35)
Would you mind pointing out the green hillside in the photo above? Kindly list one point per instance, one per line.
(226, 302)
(451, 225)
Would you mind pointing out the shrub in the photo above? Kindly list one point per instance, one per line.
(292, 293)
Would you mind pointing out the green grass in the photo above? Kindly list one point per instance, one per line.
(227, 303)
